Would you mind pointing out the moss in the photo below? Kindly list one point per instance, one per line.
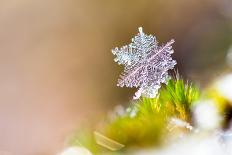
(145, 122)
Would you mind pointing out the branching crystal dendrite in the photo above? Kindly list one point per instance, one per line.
(145, 63)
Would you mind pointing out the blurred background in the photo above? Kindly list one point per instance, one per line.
(56, 67)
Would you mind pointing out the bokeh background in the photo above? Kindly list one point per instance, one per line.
(57, 72)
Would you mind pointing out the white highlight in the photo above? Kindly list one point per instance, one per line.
(224, 86)
(193, 145)
(76, 151)
(180, 123)
(229, 57)
(206, 115)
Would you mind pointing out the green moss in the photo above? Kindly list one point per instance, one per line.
(177, 98)
(145, 121)
(141, 130)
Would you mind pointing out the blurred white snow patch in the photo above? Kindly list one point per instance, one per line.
(206, 115)
(227, 138)
(118, 110)
(229, 57)
(224, 86)
(75, 151)
(194, 145)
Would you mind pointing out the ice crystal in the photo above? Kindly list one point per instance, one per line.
(145, 63)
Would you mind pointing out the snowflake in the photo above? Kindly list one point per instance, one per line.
(145, 63)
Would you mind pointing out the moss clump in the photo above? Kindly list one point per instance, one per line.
(177, 98)
(145, 121)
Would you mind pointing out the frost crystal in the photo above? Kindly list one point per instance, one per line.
(145, 63)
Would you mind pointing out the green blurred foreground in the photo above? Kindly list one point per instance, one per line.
(150, 123)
